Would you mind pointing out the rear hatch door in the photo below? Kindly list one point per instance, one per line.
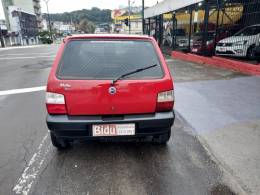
(89, 66)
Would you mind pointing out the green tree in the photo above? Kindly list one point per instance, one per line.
(86, 26)
(94, 15)
(45, 37)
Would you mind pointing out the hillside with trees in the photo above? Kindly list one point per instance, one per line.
(94, 15)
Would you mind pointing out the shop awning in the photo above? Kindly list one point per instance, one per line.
(167, 6)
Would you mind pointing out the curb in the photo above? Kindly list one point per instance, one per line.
(235, 184)
(234, 65)
(228, 178)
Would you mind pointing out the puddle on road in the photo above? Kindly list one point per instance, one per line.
(221, 190)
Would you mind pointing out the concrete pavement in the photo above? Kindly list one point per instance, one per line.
(226, 116)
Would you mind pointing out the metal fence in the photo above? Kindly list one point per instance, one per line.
(217, 27)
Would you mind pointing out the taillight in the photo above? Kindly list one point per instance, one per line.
(55, 103)
(165, 101)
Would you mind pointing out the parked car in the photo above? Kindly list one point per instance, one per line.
(109, 86)
(240, 44)
(256, 53)
(180, 38)
(197, 46)
(100, 31)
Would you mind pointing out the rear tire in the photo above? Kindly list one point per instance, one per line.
(163, 138)
(251, 54)
(165, 43)
(59, 143)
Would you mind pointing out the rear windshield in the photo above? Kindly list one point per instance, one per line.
(108, 59)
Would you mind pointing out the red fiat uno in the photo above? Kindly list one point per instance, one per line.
(109, 86)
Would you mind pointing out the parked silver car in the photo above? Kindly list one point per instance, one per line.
(180, 38)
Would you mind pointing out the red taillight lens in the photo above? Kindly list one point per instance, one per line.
(164, 106)
(56, 109)
(165, 101)
(55, 103)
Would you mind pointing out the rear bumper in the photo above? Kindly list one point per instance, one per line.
(81, 126)
(236, 51)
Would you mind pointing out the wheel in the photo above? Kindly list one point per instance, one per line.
(163, 138)
(165, 43)
(251, 53)
(59, 143)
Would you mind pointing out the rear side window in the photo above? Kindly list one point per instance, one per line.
(108, 59)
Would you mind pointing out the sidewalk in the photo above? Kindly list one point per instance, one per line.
(225, 114)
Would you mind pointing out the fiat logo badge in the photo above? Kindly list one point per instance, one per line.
(112, 90)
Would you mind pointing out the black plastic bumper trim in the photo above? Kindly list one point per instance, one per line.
(81, 126)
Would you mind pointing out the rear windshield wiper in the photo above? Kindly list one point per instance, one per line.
(132, 72)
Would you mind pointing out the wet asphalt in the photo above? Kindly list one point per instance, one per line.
(181, 167)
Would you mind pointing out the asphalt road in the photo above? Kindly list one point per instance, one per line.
(30, 165)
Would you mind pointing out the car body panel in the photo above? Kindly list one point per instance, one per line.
(210, 43)
(92, 97)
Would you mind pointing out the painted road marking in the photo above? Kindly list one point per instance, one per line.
(19, 58)
(22, 47)
(24, 54)
(23, 90)
(32, 170)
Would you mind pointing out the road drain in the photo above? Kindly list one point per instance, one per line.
(221, 190)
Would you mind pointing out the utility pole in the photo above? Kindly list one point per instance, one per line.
(205, 33)
(47, 1)
(190, 28)
(1, 38)
(217, 25)
(174, 25)
(129, 16)
(143, 16)
(71, 23)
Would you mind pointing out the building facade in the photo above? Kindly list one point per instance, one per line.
(226, 28)
(23, 26)
(28, 6)
(9, 39)
(61, 27)
(38, 13)
(119, 17)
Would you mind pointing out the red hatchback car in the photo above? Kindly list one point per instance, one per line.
(109, 86)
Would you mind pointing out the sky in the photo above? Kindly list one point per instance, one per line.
(59, 6)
